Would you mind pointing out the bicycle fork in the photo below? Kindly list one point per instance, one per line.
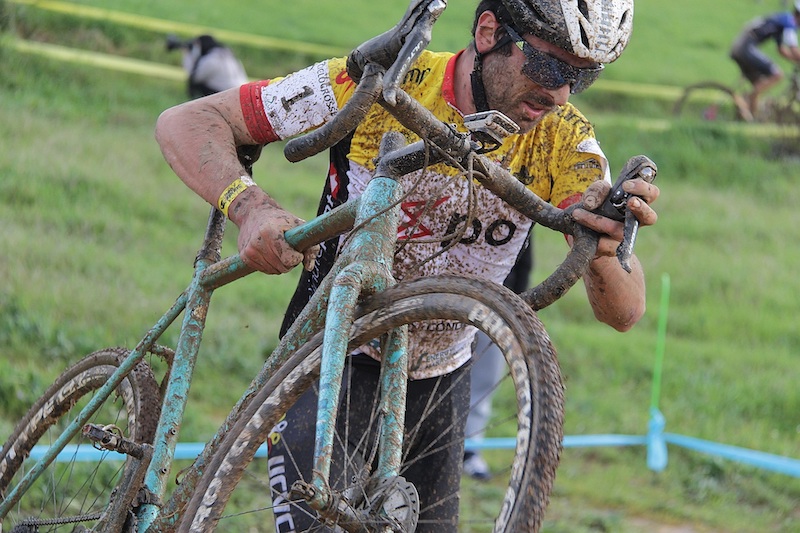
(369, 258)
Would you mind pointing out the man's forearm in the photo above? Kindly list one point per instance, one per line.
(617, 297)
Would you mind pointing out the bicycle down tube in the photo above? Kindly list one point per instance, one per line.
(365, 268)
(210, 274)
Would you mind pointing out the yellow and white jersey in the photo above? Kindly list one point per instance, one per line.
(557, 160)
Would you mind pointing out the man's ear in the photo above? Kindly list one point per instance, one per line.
(486, 31)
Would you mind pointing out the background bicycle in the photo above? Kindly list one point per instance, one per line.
(713, 100)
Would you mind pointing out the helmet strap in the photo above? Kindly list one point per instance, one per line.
(476, 77)
(478, 89)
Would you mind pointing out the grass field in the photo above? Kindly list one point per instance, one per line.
(98, 238)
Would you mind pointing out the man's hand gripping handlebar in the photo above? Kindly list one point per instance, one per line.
(616, 205)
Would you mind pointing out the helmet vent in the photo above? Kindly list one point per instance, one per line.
(624, 19)
(542, 15)
(585, 38)
(583, 8)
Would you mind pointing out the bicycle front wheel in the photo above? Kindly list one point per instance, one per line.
(76, 488)
(528, 411)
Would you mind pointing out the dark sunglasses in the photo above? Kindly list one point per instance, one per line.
(550, 72)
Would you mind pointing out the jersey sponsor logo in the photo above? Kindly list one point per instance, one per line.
(333, 182)
(496, 233)
(425, 361)
(590, 163)
(344, 79)
(578, 121)
(416, 75)
(284, 522)
(412, 227)
(274, 436)
(591, 146)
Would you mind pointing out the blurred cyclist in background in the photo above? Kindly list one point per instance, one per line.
(212, 67)
(759, 69)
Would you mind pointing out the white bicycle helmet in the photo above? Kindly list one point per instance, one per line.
(592, 29)
(797, 5)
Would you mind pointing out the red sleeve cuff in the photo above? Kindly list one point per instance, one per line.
(566, 202)
(253, 110)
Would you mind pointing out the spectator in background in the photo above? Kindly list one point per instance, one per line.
(759, 69)
(488, 366)
(212, 67)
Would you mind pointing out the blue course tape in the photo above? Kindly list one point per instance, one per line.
(766, 461)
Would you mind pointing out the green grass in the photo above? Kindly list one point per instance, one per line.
(664, 32)
(98, 238)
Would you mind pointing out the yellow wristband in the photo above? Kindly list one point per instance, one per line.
(232, 191)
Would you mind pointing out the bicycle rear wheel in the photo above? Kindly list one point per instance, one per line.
(75, 489)
(710, 100)
(516, 497)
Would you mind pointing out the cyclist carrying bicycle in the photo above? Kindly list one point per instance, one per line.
(759, 69)
(525, 59)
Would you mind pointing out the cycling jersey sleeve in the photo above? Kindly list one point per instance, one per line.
(579, 169)
(785, 32)
(284, 107)
(561, 158)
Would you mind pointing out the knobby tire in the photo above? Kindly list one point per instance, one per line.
(537, 424)
(68, 488)
(726, 105)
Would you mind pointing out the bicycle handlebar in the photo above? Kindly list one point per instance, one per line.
(397, 49)
(367, 93)
(377, 66)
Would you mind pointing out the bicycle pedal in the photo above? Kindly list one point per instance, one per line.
(110, 438)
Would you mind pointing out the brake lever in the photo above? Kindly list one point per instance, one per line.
(615, 205)
(416, 41)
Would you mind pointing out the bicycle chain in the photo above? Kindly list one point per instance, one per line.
(25, 525)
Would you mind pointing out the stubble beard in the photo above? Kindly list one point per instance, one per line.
(505, 92)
